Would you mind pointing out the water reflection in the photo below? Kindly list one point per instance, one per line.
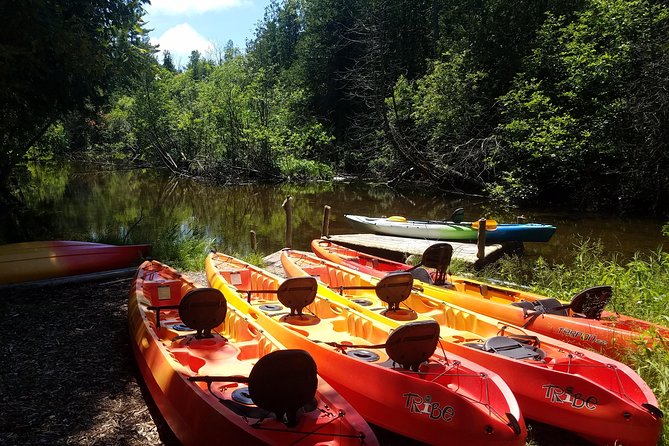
(140, 206)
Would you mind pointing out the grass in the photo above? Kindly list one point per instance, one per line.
(640, 289)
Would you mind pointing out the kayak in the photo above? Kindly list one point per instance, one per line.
(583, 321)
(23, 262)
(554, 383)
(443, 230)
(398, 379)
(218, 379)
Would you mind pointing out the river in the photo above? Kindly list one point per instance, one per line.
(141, 206)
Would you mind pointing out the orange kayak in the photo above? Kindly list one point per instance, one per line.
(554, 383)
(582, 322)
(218, 379)
(23, 262)
(398, 379)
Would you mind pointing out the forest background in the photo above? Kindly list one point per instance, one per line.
(532, 101)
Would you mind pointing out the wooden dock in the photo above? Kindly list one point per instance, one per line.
(399, 248)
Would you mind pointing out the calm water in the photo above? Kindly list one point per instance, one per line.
(142, 205)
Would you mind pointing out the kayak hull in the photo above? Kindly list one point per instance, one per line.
(565, 385)
(612, 334)
(168, 356)
(433, 230)
(24, 262)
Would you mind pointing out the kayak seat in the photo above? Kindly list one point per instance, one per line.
(458, 215)
(476, 345)
(394, 288)
(296, 293)
(512, 348)
(553, 306)
(438, 256)
(545, 306)
(413, 343)
(421, 274)
(283, 382)
(591, 302)
(203, 309)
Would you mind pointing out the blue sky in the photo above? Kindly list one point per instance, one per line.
(181, 26)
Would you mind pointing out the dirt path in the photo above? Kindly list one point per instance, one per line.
(68, 374)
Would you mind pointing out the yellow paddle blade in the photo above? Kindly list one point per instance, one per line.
(490, 225)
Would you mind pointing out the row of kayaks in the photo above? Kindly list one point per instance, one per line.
(236, 363)
(349, 339)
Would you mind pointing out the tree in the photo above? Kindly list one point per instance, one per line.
(168, 63)
(61, 57)
(588, 117)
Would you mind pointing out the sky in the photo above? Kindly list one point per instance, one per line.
(182, 26)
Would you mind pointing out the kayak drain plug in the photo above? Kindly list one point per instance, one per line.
(364, 355)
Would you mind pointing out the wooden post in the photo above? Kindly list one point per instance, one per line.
(480, 241)
(254, 240)
(325, 226)
(288, 207)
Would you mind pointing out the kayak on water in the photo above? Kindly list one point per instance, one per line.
(583, 321)
(555, 383)
(28, 261)
(218, 379)
(398, 379)
(443, 230)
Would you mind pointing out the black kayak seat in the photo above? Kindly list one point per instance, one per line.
(553, 306)
(296, 293)
(283, 382)
(545, 306)
(203, 309)
(511, 348)
(591, 302)
(394, 288)
(411, 344)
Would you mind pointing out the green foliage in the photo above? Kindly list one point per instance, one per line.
(579, 120)
(182, 249)
(304, 170)
(58, 59)
(56, 141)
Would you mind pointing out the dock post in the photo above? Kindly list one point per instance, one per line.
(325, 226)
(288, 207)
(254, 240)
(480, 240)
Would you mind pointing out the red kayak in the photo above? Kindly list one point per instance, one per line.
(583, 321)
(24, 262)
(555, 383)
(218, 379)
